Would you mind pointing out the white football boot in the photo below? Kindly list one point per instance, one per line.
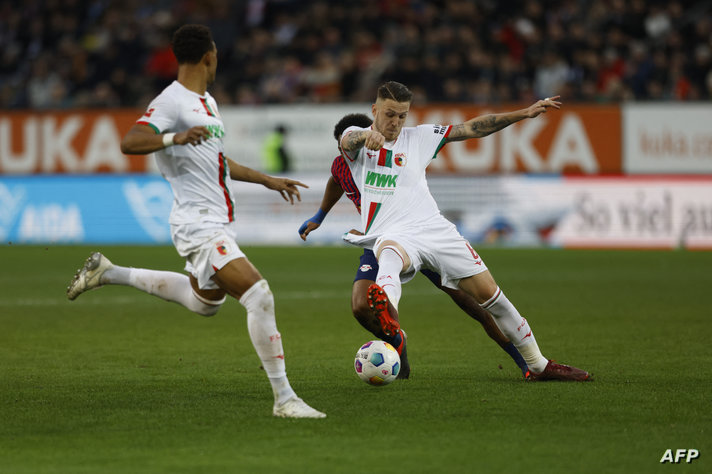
(89, 276)
(296, 408)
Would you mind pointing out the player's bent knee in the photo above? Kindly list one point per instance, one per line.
(481, 286)
(208, 310)
(258, 298)
(204, 306)
(397, 248)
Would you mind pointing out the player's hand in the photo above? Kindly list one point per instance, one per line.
(286, 187)
(541, 106)
(306, 228)
(374, 140)
(311, 224)
(192, 136)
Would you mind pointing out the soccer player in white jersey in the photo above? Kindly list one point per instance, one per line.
(182, 126)
(402, 223)
(342, 182)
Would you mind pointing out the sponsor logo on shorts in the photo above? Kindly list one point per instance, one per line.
(399, 160)
(365, 268)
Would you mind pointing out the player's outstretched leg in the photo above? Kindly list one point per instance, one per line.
(296, 408)
(470, 306)
(89, 276)
(554, 371)
(383, 309)
(258, 300)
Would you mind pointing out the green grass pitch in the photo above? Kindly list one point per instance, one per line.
(122, 382)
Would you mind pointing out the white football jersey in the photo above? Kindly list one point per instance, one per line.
(199, 175)
(394, 191)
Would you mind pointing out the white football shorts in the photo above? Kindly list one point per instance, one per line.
(440, 248)
(206, 247)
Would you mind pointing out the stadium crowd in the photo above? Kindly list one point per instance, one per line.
(108, 53)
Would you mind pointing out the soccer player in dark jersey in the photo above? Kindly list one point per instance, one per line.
(341, 182)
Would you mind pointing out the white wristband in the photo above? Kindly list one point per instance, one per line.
(168, 139)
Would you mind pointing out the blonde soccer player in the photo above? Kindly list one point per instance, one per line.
(401, 221)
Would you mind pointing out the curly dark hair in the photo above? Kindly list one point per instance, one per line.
(191, 42)
(396, 91)
(351, 120)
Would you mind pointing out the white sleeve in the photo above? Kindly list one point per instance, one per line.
(431, 139)
(161, 115)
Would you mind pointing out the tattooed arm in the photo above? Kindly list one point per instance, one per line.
(484, 125)
(356, 139)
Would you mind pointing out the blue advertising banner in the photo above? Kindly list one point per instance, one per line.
(76, 209)
(590, 212)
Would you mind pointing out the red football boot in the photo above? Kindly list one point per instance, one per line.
(383, 309)
(554, 371)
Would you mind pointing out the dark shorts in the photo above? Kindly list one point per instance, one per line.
(368, 269)
(368, 266)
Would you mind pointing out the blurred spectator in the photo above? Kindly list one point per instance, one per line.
(77, 52)
(275, 156)
(550, 75)
(43, 84)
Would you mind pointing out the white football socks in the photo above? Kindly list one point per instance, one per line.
(517, 329)
(390, 265)
(170, 286)
(262, 326)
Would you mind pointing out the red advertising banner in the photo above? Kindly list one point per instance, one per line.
(67, 142)
(576, 140)
(572, 140)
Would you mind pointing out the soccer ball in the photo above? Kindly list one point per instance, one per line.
(377, 363)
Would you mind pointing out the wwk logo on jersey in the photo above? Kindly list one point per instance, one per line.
(216, 131)
(381, 180)
(380, 184)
